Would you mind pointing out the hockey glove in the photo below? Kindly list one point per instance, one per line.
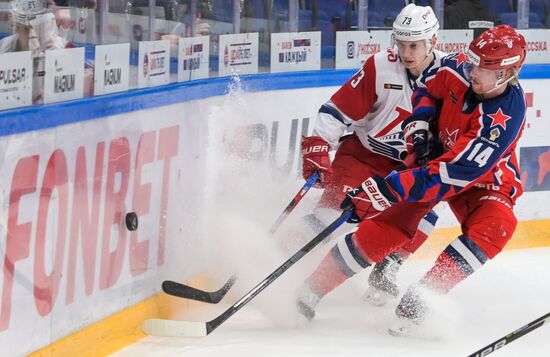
(417, 137)
(315, 157)
(369, 200)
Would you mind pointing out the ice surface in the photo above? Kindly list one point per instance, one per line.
(505, 294)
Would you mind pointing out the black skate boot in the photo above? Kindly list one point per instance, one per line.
(382, 280)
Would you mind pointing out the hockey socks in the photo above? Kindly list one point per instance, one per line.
(458, 261)
(383, 278)
(343, 261)
(425, 228)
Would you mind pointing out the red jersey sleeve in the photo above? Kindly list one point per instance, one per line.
(357, 96)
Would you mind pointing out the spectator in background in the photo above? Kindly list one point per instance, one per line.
(468, 14)
(34, 29)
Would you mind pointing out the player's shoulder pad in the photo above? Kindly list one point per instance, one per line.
(505, 112)
(453, 63)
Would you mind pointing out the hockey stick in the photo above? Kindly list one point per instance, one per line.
(160, 327)
(490, 348)
(294, 202)
(174, 288)
(185, 291)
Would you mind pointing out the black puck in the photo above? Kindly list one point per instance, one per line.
(131, 221)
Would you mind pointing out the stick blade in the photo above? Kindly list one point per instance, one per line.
(174, 328)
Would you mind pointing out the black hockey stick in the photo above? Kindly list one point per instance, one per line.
(492, 347)
(162, 327)
(185, 291)
(174, 288)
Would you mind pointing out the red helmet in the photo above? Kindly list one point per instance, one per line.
(498, 48)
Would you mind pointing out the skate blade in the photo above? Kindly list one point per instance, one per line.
(409, 329)
(377, 297)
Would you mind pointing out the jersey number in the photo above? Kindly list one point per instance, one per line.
(406, 21)
(392, 57)
(482, 157)
(355, 82)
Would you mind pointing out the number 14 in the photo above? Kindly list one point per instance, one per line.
(480, 157)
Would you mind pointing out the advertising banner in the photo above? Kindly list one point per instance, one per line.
(538, 50)
(153, 63)
(112, 68)
(15, 79)
(354, 47)
(450, 41)
(238, 54)
(64, 77)
(193, 58)
(295, 51)
(71, 186)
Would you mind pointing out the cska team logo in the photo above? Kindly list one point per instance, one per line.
(499, 118)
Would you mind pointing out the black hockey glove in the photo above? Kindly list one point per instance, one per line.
(417, 138)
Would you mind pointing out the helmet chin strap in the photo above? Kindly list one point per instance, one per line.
(500, 82)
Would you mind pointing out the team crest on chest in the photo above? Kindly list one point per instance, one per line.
(449, 138)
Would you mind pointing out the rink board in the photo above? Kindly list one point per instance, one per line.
(71, 170)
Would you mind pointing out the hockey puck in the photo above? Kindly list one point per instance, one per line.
(131, 221)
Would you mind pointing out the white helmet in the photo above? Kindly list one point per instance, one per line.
(23, 11)
(416, 23)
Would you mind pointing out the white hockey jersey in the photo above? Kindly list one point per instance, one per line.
(373, 103)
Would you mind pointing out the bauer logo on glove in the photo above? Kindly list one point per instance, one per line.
(370, 199)
(315, 155)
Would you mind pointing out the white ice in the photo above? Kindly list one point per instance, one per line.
(505, 294)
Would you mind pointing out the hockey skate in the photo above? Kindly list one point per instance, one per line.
(411, 313)
(306, 300)
(382, 281)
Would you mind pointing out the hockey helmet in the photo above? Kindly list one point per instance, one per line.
(498, 48)
(416, 23)
(23, 11)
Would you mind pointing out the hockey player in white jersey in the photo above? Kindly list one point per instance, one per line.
(372, 104)
(34, 29)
